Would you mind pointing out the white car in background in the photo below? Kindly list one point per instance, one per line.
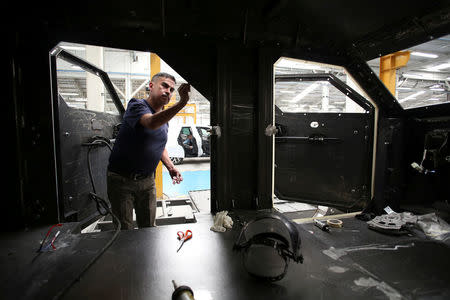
(179, 133)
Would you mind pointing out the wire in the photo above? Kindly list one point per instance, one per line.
(101, 203)
(444, 143)
(46, 236)
(93, 260)
(98, 141)
(90, 171)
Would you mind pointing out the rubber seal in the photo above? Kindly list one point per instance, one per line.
(335, 223)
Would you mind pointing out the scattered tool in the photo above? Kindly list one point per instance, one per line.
(183, 237)
(182, 292)
(335, 223)
(41, 249)
(322, 225)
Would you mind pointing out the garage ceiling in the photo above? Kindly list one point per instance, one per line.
(424, 81)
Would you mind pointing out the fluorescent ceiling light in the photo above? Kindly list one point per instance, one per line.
(286, 63)
(69, 94)
(75, 67)
(73, 48)
(404, 88)
(433, 99)
(413, 76)
(287, 92)
(437, 87)
(423, 54)
(439, 67)
(413, 96)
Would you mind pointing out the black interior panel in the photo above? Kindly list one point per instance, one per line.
(77, 127)
(330, 164)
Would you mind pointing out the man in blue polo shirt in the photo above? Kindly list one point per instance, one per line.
(138, 148)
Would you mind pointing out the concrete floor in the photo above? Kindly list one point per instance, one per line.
(196, 176)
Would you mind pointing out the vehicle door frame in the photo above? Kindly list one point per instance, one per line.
(364, 103)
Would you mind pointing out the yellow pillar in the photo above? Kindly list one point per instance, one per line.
(388, 67)
(155, 67)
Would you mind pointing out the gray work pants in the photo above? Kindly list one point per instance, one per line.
(125, 193)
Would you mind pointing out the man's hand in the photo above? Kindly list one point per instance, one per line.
(175, 175)
(183, 91)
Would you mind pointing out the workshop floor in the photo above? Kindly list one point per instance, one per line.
(352, 262)
(196, 176)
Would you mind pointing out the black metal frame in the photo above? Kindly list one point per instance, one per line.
(57, 52)
(61, 53)
(437, 110)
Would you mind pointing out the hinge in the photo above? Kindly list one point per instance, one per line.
(215, 130)
(271, 130)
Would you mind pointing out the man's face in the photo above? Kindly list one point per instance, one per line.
(162, 89)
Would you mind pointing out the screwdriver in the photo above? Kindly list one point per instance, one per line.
(322, 225)
(182, 292)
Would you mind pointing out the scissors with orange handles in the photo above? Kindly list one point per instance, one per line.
(183, 237)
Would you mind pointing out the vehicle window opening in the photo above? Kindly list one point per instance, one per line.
(420, 78)
(323, 141)
(87, 102)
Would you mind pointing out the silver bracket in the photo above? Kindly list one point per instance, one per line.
(270, 130)
(215, 130)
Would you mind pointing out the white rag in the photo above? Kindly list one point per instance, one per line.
(222, 222)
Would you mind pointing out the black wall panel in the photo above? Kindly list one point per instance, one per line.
(30, 181)
(236, 115)
(389, 171)
(78, 127)
(431, 187)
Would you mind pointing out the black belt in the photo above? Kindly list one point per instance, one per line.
(130, 175)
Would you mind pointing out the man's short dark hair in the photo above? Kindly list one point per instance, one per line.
(163, 75)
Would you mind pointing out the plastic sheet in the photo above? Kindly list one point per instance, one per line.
(434, 227)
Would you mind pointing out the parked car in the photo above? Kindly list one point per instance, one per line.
(187, 141)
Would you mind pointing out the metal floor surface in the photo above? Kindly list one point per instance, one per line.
(352, 262)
